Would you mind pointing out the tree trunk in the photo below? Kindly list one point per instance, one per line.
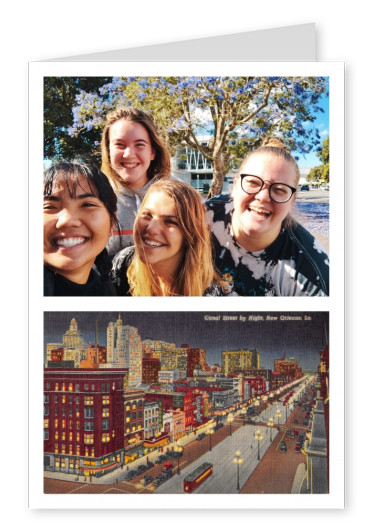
(220, 167)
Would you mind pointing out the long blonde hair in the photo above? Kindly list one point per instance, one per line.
(160, 167)
(196, 272)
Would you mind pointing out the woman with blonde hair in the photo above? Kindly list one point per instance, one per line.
(259, 247)
(134, 156)
(172, 253)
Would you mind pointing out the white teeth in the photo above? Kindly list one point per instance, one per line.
(70, 242)
(260, 211)
(153, 244)
(130, 165)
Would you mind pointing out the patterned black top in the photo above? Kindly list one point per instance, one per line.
(295, 264)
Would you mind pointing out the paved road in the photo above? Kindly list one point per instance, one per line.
(317, 196)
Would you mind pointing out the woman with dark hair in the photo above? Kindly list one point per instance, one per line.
(79, 214)
(172, 255)
(259, 248)
(133, 157)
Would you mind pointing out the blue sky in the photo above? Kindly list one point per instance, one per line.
(322, 123)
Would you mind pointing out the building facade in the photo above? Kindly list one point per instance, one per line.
(83, 420)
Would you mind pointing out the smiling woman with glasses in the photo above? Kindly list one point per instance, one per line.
(259, 248)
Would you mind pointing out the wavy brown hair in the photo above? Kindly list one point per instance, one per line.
(159, 168)
(196, 272)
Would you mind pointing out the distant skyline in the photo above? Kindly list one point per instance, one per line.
(302, 339)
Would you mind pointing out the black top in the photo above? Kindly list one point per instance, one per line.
(96, 286)
(295, 264)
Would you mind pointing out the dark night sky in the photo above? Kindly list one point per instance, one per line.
(300, 339)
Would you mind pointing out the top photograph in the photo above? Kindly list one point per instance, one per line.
(186, 186)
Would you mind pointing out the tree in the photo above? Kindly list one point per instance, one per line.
(59, 98)
(321, 173)
(237, 112)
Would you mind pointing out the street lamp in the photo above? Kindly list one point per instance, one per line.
(256, 404)
(259, 438)
(209, 432)
(243, 411)
(278, 415)
(238, 461)
(287, 405)
(230, 419)
(270, 424)
(178, 449)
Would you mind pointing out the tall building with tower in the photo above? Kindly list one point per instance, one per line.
(124, 349)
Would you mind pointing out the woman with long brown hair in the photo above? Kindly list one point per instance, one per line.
(172, 255)
(134, 156)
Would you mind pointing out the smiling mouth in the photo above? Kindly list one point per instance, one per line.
(130, 165)
(259, 211)
(69, 242)
(151, 243)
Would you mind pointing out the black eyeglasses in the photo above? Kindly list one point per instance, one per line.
(279, 192)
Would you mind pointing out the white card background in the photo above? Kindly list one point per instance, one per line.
(333, 304)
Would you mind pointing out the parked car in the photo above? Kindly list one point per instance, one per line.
(146, 479)
(161, 478)
(283, 447)
(149, 464)
(168, 474)
(201, 436)
(297, 447)
(131, 474)
(168, 466)
(161, 459)
(142, 468)
(176, 455)
(304, 188)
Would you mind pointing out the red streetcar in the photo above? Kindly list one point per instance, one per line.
(195, 478)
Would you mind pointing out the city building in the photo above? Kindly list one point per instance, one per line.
(170, 376)
(124, 349)
(150, 369)
(83, 420)
(233, 360)
(73, 339)
(151, 419)
(196, 357)
(289, 367)
(134, 419)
